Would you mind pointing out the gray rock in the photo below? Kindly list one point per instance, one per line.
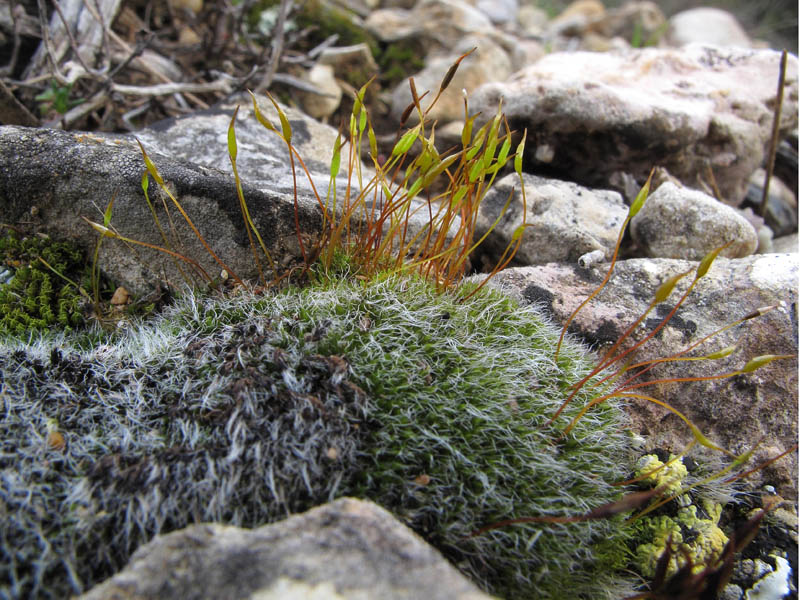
(707, 25)
(71, 176)
(787, 243)
(263, 160)
(566, 220)
(499, 11)
(734, 412)
(679, 222)
(695, 110)
(781, 213)
(68, 176)
(347, 549)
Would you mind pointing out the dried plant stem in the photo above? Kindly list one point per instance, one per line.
(277, 46)
(773, 142)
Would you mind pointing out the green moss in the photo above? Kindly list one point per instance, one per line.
(242, 409)
(321, 19)
(400, 60)
(38, 298)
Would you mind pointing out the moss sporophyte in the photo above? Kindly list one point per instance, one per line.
(379, 375)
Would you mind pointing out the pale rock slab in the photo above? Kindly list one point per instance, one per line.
(263, 158)
(349, 548)
(707, 25)
(703, 112)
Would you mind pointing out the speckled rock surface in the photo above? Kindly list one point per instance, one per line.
(678, 222)
(263, 161)
(735, 412)
(566, 220)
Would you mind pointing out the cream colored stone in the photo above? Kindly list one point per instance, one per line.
(322, 105)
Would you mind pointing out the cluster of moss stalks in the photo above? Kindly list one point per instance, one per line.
(241, 409)
(41, 293)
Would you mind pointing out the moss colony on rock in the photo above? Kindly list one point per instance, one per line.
(39, 295)
(244, 409)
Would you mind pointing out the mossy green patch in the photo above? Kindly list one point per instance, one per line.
(400, 60)
(43, 292)
(321, 19)
(243, 409)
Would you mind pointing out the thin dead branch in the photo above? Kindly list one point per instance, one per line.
(165, 89)
(773, 142)
(277, 46)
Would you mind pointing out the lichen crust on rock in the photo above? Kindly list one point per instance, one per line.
(692, 530)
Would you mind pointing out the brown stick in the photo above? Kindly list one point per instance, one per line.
(773, 142)
(12, 111)
(277, 47)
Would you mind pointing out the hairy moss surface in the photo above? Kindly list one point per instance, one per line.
(243, 409)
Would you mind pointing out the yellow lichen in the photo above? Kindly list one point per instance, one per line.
(657, 474)
(696, 538)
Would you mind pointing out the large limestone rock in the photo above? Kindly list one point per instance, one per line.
(51, 180)
(737, 412)
(700, 111)
(347, 549)
(263, 160)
